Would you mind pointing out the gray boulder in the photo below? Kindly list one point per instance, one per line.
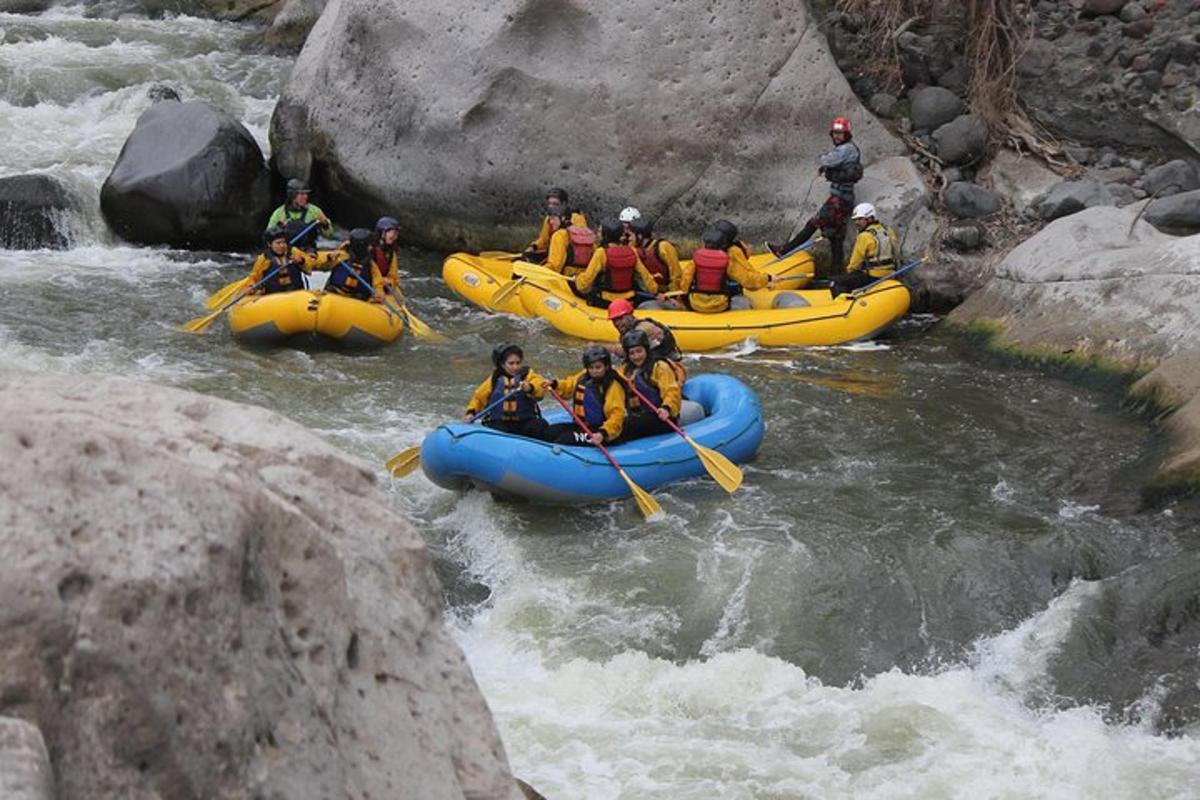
(291, 25)
(969, 200)
(25, 771)
(1018, 179)
(37, 211)
(1070, 197)
(204, 600)
(1098, 7)
(1171, 178)
(901, 199)
(883, 105)
(1178, 214)
(965, 236)
(934, 106)
(456, 117)
(189, 175)
(962, 141)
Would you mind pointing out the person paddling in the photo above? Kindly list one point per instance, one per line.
(355, 275)
(614, 270)
(661, 258)
(599, 400)
(297, 208)
(720, 260)
(385, 251)
(519, 413)
(875, 255)
(656, 382)
(842, 167)
(293, 263)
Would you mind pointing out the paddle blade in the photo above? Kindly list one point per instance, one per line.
(200, 324)
(499, 255)
(223, 295)
(646, 504)
(722, 470)
(404, 462)
(506, 291)
(420, 329)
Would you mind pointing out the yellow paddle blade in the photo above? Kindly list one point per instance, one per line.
(223, 295)
(722, 470)
(420, 329)
(526, 270)
(506, 291)
(646, 504)
(200, 324)
(404, 462)
(499, 255)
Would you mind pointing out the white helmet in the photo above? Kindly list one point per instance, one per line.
(863, 211)
(629, 214)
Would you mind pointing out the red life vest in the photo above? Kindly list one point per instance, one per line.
(383, 259)
(655, 265)
(621, 264)
(583, 244)
(711, 266)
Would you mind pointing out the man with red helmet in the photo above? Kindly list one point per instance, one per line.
(842, 167)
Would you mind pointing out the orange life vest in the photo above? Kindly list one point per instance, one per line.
(711, 266)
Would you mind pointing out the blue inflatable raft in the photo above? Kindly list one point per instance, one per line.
(458, 456)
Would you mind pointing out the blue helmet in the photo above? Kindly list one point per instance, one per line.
(387, 224)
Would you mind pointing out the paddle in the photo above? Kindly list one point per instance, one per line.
(500, 255)
(646, 504)
(723, 471)
(523, 271)
(409, 459)
(371, 289)
(417, 326)
(227, 291)
(877, 281)
(797, 249)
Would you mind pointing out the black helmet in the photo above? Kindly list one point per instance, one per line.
(295, 186)
(610, 231)
(275, 232)
(714, 238)
(641, 227)
(561, 194)
(728, 228)
(635, 338)
(360, 240)
(595, 352)
(501, 351)
(387, 224)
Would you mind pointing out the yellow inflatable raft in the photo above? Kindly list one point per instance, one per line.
(477, 278)
(287, 317)
(822, 320)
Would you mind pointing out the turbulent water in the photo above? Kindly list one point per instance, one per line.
(878, 613)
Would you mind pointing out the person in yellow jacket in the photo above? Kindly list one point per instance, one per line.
(571, 246)
(615, 269)
(556, 205)
(706, 278)
(655, 380)
(875, 253)
(354, 274)
(385, 252)
(518, 414)
(598, 399)
(287, 266)
(661, 258)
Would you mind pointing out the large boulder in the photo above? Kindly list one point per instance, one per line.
(1097, 284)
(25, 771)
(901, 200)
(1171, 178)
(1019, 179)
(962, 140)
(37, 211)
(189, 175)
(456, 117)
(933, 106)
(969, 200)
(292, 24)
(1178, 214)
(200, 599)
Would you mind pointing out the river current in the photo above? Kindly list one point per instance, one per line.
(874, 614)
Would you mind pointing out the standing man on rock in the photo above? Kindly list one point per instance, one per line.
(298, 209)
(842, 167)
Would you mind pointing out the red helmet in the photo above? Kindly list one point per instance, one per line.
(619, 308)
(840, 124)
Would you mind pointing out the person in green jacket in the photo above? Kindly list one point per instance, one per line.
(298, 209)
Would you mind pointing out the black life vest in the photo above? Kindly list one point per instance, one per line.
(621, 263)
(519, 407)
(654, 264)
(582, 245)
(351, 279)
(711, 266)
(641, 381)
(289, 276)
(589, 400)
(667, 348)
(850, 172)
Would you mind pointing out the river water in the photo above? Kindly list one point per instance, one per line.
(876, 614)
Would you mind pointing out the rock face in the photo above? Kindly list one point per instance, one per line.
(25, 772)
(1178, 214)
(1019, 179)
(456, 117)
(36, 211)
(187, 611)
(1085, 286)
(292, 24)
(189, 176)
